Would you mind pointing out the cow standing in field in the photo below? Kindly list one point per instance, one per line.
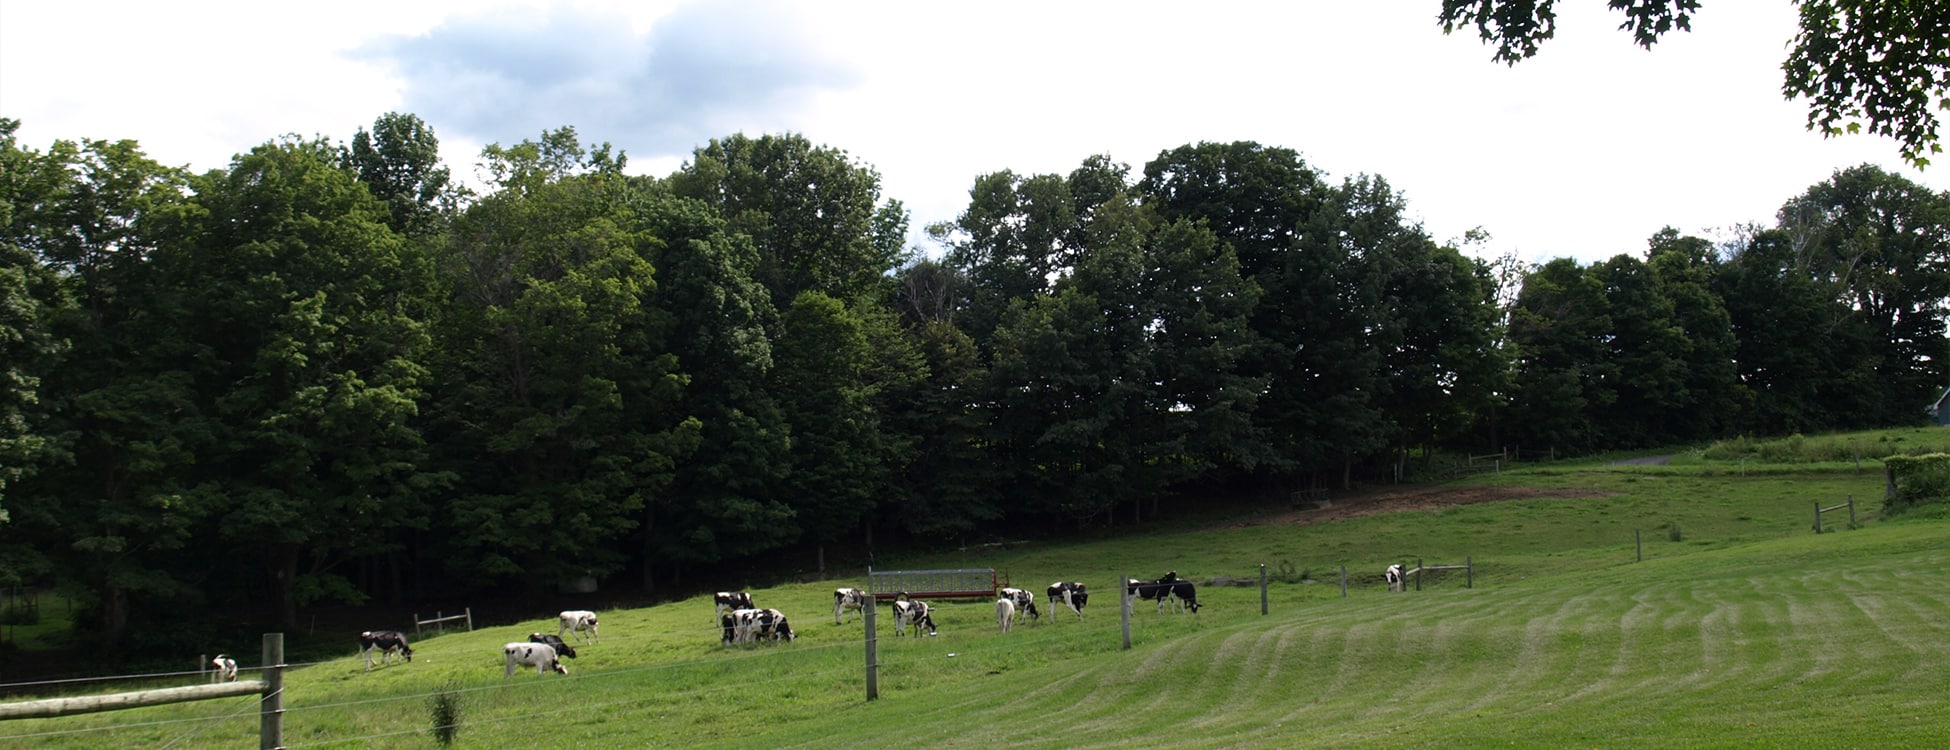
(732, 601)
(849, 600)
(537, 655)
(576, 621)
(1005, 613)
(1025, 603)
(737, 625)
(910, 612)
(1069, 594)
(1397, 580)
(226, 668)
(388, 643)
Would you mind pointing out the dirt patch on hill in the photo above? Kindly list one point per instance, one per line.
(1371, 502)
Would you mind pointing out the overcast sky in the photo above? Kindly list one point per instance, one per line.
(1584, 151)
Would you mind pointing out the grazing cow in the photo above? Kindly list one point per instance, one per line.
(537, 655)
(1397, 579)
(575, 621)
(554, 641)
(1069, 594)
(388, 643)
(226, 668)
(849, 600)
(1025, 604)
(737, 625)
(729, 601)
(1005, 613)
(770, 623)
(910, 612)
(1170, 590)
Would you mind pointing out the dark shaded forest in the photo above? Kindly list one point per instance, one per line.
(331, 375)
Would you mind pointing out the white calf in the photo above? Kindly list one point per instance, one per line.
(577, 620)
(226, 668)
(1005, 613)
(537, 655)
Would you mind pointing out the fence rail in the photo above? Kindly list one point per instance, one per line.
(955, 583)
(439, 621)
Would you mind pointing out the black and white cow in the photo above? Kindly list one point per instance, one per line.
(1024, 601)
(562, 649)
(909, 612)
(1069, 594)
(1168, 590)
(538, 655)
(1397, 579)
(575, 621)
(849, 600)
(736, 625)
(729, 601)
(749, 625)
(388, 643)
(770, 624)
(226, 668)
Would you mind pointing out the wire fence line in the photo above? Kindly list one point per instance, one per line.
(249, 704)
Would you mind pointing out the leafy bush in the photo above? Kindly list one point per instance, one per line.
(445, 710)
(1915, 481)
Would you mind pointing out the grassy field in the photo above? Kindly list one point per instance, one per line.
(1740, 628)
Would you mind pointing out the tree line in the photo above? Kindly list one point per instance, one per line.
(330, 373)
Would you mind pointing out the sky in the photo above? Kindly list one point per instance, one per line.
(1584, 151)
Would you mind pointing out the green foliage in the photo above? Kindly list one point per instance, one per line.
(1916, 480)
(446, 709)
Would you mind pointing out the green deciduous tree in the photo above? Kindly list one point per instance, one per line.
(814, 214)
(119, 421)
(399, 160)
(298, 305)
(557, 385)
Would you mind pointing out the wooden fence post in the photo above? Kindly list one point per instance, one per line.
(873, 662)
(270, 726)
(1343, 581)
(1262, 589)
(1469, 572)
(1124, 595)
(1638, 539)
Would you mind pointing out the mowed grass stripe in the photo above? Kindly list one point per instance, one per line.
(1665, 662)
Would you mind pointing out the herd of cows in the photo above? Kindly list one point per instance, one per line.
(542, 651)
(742, 622)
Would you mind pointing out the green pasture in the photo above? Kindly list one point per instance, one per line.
(1740, 628)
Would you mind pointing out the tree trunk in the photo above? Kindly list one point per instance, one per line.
(114, 618)
(284, 585)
